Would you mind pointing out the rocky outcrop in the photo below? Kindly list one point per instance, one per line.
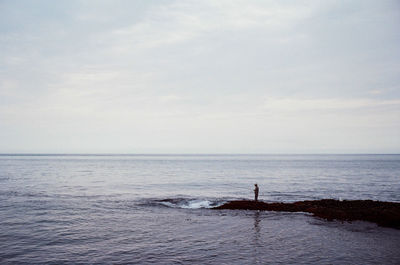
(382, 213)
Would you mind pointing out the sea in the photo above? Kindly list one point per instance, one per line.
(156, 209)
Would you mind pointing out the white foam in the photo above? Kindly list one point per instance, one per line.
(197, 204)
(188, 204)
(169, 204)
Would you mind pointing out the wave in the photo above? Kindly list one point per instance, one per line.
(187, 203)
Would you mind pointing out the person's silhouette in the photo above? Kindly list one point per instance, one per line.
(255, 192)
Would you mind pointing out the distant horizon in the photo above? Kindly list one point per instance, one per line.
(185, 154)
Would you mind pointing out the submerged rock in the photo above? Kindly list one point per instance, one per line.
(382, 213)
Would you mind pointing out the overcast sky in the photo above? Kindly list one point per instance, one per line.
(199, 76)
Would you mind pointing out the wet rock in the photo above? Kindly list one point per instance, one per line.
(382, 213)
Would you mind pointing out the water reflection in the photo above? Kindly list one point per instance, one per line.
(256, 238)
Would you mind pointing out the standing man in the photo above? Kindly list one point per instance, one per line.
(255, 192)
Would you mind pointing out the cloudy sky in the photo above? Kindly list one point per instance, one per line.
(199, 76)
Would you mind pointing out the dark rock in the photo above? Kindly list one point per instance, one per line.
(382, 213)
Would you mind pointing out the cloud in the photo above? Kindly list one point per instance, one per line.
(332, 104)
(199, 75)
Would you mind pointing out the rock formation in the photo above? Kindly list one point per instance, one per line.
(382, 213)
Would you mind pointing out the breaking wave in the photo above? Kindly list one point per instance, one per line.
(185, 203)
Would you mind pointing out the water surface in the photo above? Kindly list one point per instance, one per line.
(154, 209)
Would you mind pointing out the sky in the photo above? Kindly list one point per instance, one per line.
(196, 77)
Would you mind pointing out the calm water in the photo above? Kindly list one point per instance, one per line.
(154, 209)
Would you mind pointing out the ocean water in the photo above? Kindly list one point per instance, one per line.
(155, 209)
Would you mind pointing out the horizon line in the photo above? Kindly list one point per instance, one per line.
(181, 154)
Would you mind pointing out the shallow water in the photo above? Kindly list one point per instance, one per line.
(154, 209)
